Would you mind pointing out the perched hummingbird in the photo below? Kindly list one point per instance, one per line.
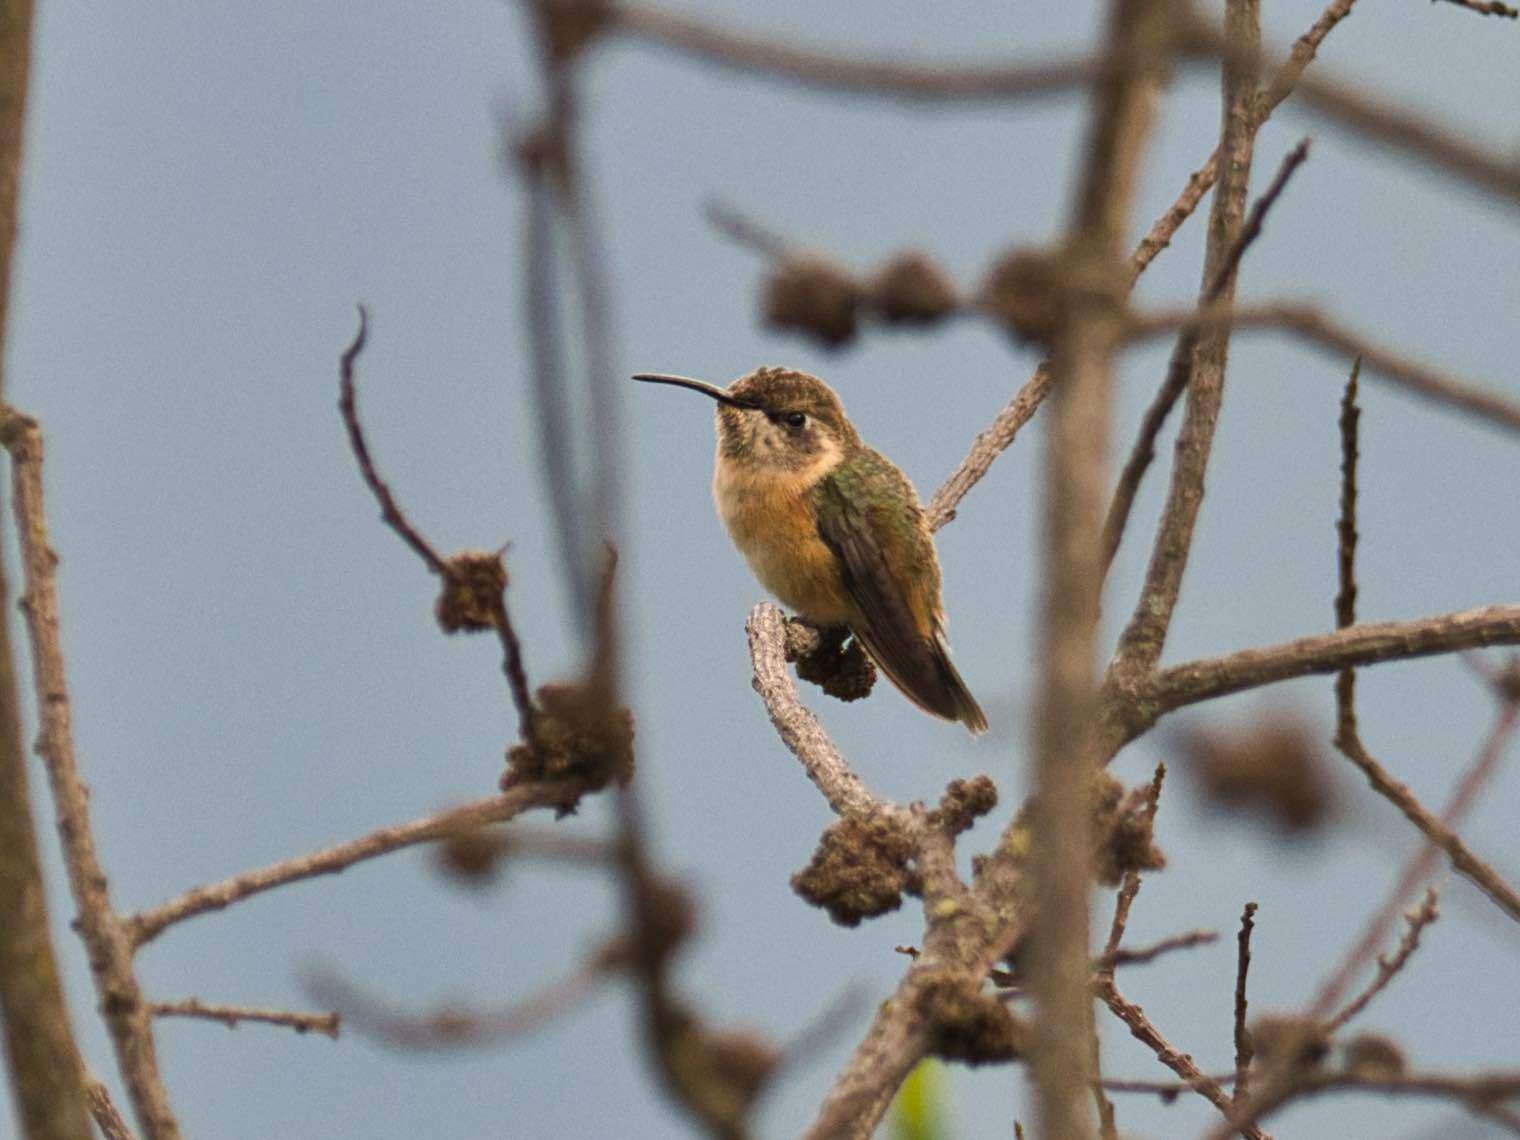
(832, 528)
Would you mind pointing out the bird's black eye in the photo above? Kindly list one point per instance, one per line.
(795, 419)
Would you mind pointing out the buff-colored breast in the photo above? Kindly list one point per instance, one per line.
(770, 518)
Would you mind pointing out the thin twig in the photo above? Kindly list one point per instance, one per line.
(1423, 862)
(348, 405)
(1144, 1031)
(999, 436)
(1415, 922)
(108, 1118)
(1326, 333)
(1143, 954)
(1123, 901)
(1243, 1048)
(105, 935)
(395, 518)
(1482, 1094)
(146, 925)
(987, 446)
(1345, 527)
(1475, 870)
(1131, 884)
(452, 1027)
(1167, 1090)
(1281, 1082)
(1201, 366)
(1179, 369)
(327, 1024)
(1348, 738)
(1488, 8)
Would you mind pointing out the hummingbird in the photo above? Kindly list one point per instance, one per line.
(832, 528)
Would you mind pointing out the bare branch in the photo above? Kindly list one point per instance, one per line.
(1482, 1094)
(1143, 954)
(47, 1078)
(453, 1027)
(108, 1118)
(1144, 636)
(1488, 8)
(1283, 1081)
(799, 729)
(147, 925)
(1179, 369)
(1420, 866)
(232, 1016)
(1243, 1049)
(1202, 179)
(1415, 922)
(1437, 145)
(987, 446)
(999, 436)
(828, 71)
(105, 935)
(1367, 644)
(1076, 459)
(1142, 1029)
(1324, 332)
(348, 404)
(1463, 861)
(1347, 737)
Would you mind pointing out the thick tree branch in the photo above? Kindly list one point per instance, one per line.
(1367, 644)
(1075, 478)
(47, 1076)
(799, 729)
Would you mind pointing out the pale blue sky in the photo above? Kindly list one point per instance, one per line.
(211, 187)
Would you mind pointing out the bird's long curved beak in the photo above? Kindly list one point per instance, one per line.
(696, 386)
